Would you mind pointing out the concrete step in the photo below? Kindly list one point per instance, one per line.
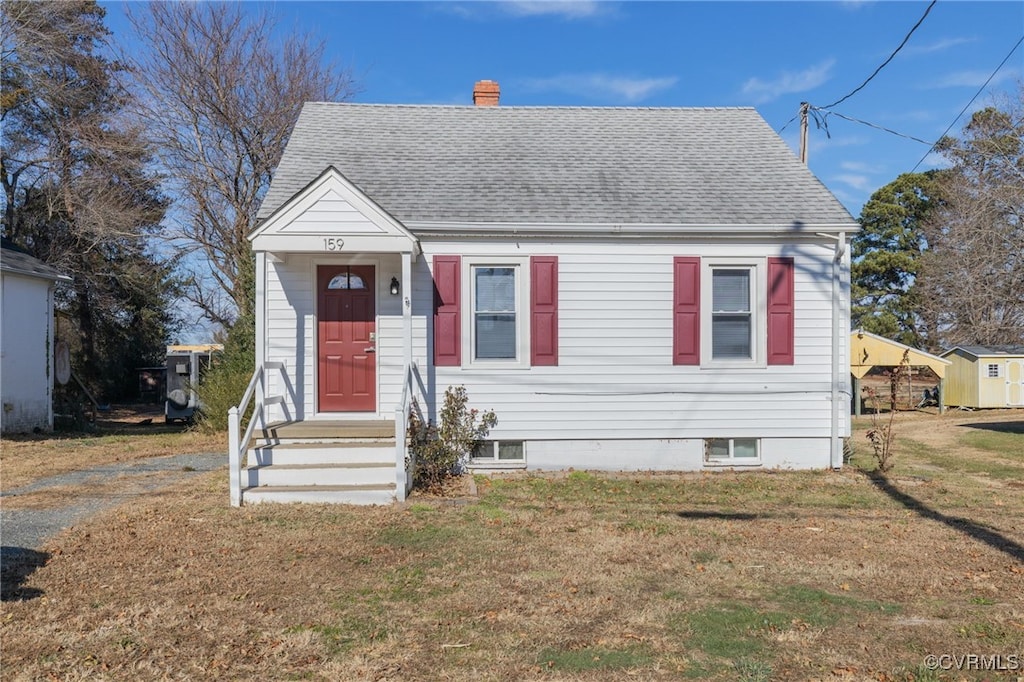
(278, 475)
(293, 454)
(323, 494)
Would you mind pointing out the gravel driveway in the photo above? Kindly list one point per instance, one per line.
(27, 529)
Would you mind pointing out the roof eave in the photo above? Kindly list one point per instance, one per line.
(541, 229)
(48, 276)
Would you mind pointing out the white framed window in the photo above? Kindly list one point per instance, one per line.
(496, 324)
(499, 453)
(992, 371)
(733, 312)
(732, 451)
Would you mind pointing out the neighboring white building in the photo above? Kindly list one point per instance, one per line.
(26, 341)
(628, 288)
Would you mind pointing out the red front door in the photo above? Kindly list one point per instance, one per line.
(346, 338)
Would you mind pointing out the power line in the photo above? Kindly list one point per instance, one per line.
(882, 66)
(779, 131)
(980, 90)
(873, 125)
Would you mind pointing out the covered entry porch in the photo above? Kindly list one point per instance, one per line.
(335, 363)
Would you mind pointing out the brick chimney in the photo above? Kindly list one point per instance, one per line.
(485, 94)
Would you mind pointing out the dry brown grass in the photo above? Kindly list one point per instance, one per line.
(122, 435)
(753, 576)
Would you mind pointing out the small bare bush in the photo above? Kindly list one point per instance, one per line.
(881, 435)
(441, 450)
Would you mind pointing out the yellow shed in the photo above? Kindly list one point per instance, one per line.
(985, 376)
(869, 350)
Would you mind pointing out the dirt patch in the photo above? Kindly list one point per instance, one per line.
(126, 433)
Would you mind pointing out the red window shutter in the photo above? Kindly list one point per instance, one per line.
(447, 320)
(780, 311)
(544, 310)
(686, 311)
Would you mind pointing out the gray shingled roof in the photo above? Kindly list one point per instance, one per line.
(978, 351)
(13, 259)
(685, 166)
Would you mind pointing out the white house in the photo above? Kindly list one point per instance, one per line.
(627, 288)
(26, 340)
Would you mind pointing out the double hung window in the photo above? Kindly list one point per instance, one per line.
(732, 320)
(733, 312)
(495, 312)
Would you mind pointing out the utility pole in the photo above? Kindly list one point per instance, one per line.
(804, 108)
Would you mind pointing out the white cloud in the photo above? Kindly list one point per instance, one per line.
(937, 46)
(858, 167)
(601, 86)
(934, 160)
(568, 9)
(787, 82)
(819, 141)
(854, 180)
(565, 9)
(972, 79)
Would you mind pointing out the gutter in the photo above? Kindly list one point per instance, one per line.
(547, 229)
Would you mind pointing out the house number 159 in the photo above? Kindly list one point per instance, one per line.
(333, 243)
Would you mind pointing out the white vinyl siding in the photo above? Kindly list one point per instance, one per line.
(26, 353)
(615, 378)
(615, 381)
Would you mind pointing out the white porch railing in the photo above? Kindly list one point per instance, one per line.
(404, 470)
(237, 446)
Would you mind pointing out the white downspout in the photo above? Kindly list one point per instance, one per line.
(838, 367)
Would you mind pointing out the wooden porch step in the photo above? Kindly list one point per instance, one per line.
(335, 428)
(322, 494)
(323, 452)
(319, 474)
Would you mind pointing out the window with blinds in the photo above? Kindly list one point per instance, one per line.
(494, 313)
(731, 315)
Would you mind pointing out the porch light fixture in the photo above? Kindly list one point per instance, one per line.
(395, 288)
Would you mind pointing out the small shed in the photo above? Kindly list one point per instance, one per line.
(27, 361)
(986, 376)
(868, 351)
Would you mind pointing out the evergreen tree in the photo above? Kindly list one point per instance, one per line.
(77, 191)
(887, 258)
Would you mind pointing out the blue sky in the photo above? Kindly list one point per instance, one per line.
(769, 55)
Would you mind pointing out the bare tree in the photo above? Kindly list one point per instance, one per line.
(972, 275)
(221, 93)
